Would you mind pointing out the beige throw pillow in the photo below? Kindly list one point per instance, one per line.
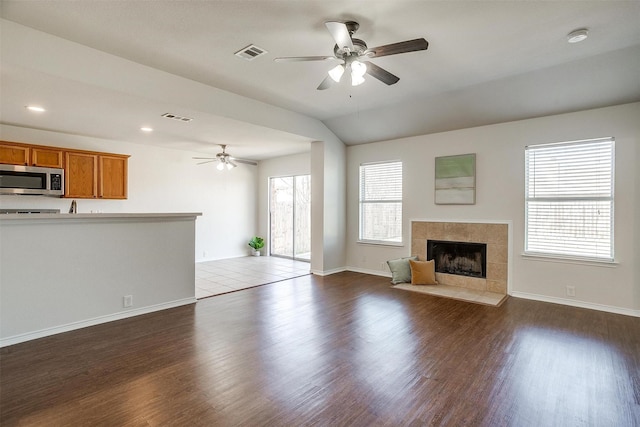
(423, 272)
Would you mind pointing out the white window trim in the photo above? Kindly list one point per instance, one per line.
(379, 243)
(567, 258)
(360, 203)
(536, 256)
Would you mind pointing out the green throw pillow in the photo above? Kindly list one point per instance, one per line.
(400, 269)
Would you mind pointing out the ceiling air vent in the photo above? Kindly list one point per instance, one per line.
(178, 118)
(250, 52)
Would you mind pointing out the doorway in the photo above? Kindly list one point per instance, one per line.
(290, 217)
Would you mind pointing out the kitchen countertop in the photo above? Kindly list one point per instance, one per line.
(100, 216)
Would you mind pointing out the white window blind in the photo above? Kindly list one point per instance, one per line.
(569, 199)
(381, 202)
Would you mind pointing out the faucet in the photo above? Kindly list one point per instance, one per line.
(74, 207)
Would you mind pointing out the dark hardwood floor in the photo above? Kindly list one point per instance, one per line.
(341, 350)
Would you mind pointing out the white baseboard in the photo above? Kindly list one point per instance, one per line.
(328, 272)
(16, 339)
(354, 269)
(367, 271)
(580, 304)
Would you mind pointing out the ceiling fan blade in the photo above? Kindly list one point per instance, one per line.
(326, 83)
(396, 48)
(245, 161)
(303, 58)
(208, 161)
(381, 74)
(204, 158)
(340, 34)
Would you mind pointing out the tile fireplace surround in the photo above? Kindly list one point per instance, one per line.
(496, 237)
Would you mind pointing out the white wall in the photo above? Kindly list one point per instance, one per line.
(500, 196)
(317, 207)
(299, 164)
(328, 201)
(71, 271)
(163, 180)
(637, 230)
(334, 204)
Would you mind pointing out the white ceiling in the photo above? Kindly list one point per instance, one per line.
(488, 62)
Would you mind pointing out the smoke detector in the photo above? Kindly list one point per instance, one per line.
(576, 36)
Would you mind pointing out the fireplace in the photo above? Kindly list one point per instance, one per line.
(494, 234)
(460, 258)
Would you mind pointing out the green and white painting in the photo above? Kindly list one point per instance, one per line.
(456, 180)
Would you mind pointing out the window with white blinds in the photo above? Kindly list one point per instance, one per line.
(381, 202)
(569, 199)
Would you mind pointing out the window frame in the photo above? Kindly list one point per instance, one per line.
(567, 255)
(362, 203)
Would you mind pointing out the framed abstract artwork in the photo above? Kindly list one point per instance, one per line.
(456, 180)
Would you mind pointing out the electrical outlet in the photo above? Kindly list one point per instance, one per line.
(127, 301)
(205, 254)
(571, 291)
(383, 266)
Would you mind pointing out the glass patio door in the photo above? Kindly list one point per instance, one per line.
(290, 217)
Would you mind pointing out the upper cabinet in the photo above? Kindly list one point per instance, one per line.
(30, 156)
(88, 174)
(14, 154)
(46, 157)
(113, 176)
(91, 175)
(81, 175)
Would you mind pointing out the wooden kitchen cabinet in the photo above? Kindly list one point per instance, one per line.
(90, 176)
(87, 174)
(45, 157)
(112, 177)
(22, 154)
(81, 175)
(14, 154)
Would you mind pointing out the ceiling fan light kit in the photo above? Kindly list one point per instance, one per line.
(358, 70)
(223, 163)
(352, 51)
(336, 72)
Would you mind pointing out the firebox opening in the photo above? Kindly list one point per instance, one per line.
(461, 258)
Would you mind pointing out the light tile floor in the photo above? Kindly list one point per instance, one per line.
(228, 275)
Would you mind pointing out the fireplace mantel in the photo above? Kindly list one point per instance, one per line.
(494, 235)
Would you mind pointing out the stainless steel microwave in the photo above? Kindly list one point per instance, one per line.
(32, 180)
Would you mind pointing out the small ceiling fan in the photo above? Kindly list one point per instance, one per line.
(224, 159)
(352, 51)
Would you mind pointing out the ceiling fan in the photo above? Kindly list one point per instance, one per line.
(224, 159)
(352, 51)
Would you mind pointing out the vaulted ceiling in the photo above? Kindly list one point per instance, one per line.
(487, 62)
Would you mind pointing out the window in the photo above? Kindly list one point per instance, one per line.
(381, 203)
(569, 199)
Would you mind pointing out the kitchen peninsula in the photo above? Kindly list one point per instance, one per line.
(60, 272)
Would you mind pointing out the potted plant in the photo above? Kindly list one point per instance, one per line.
(256, 244)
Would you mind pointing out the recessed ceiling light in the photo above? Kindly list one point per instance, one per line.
(146, 129)
(576, 36)
(35, 108)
